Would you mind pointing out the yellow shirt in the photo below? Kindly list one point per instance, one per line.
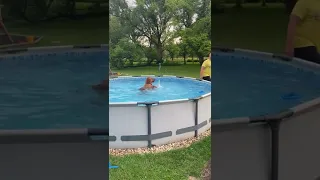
(308, 32)
(207, 68)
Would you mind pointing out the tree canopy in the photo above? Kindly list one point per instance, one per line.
(159, 29)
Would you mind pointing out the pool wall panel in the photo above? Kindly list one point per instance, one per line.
(299, 146)
(204, 113)
(52, 161)
(240, 151)
(170, 117)
(128, 121)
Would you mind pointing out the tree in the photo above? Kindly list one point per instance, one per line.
(150, 19)
(123, 52)
(203, 9)
(200, 45)
(172, 49)
(184, 49)
(185, 12)
(116, 31)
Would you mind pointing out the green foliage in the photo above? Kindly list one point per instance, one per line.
(173, 50)
(154, 25)
(125, 51)
(200, 45)
(115, 30)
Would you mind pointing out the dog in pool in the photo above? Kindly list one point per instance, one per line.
(148, 84)
(102, 87)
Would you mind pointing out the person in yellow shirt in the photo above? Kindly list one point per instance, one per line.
(205, 71)
(303, 35)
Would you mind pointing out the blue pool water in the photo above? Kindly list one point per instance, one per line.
(53, 91)
(171, 88)
(250, 87)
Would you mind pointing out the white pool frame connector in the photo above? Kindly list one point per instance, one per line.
(148, 124)
(272, 147)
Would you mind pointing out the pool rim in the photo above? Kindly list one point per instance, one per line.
(65, 135)
(133, 103)
(223, 124)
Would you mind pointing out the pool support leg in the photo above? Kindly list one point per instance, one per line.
(274, 126)
(149, 124)
(196, 117)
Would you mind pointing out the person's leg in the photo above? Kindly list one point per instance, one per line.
(309, 53)
(207, 78)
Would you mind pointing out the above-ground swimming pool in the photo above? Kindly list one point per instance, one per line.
(265, 116)
(50, 118)
(178, 109)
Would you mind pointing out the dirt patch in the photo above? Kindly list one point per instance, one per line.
(206, 173)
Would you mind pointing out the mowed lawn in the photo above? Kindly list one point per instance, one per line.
(252, 27)
(190, 70)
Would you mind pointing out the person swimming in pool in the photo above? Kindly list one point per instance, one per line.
(148, 84)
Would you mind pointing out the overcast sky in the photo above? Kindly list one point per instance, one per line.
(131, 2)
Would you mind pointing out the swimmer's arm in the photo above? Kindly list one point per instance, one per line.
(203, 67)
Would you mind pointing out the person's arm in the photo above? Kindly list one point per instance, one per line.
(203, 67)
(291, 31)
(299, 12)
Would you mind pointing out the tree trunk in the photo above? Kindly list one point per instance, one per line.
(264, 3)
(184, 60)
(159, 53)
(201, 59)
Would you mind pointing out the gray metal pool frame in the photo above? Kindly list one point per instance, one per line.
(284, 146)
(66, 154)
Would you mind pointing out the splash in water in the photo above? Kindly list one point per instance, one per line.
(159, 84)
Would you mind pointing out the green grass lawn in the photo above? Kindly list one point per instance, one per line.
(171, 165)
(252, 27)
(182, 70)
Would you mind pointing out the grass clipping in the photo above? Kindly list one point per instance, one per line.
(156, 149)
